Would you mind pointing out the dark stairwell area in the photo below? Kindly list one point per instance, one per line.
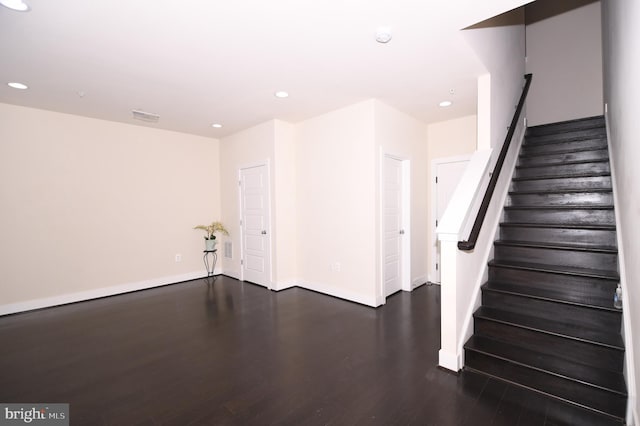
(547, 320)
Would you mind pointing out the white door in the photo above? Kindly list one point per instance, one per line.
(448, 174)
(393, 232)
(254, 199)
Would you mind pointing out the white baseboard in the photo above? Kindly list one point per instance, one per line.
(448, 360)
(632, 414)
(63, 299)
(339, 293)
(231, 274)
(418, 281)
(279, 286)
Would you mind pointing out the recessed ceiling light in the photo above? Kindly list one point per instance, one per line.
(18, 5)
(216, 125)
(445, 104)
(17, 85)
(281, 94)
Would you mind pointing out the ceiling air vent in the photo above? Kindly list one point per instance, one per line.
(145, 116)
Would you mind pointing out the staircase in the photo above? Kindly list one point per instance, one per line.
(547, 321)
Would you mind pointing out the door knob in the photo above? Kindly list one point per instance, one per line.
(402, 232)
(264, 232)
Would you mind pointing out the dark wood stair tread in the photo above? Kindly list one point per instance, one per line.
(562, 207)
(562, 191)
(561, 145)
(562, 296)
(548, 363)
(549, 327)
(558, 246)
(526, 155)
(613, 406)
(564, 270)
(544, 140)
(594, 122)
(599, 118)
(565, 163)
(572, 176)
(544, 325)
(589, 226)
(538, 408)
(599, 132)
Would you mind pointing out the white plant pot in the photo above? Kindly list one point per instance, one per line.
(210, 244)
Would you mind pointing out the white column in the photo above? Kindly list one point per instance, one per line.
(448, 354)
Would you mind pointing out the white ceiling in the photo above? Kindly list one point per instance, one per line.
(199, 62)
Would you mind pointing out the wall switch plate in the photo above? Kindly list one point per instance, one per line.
(178, 258)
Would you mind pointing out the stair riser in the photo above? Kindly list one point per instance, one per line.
(582, 286)
(582, 352)
(566, 126)
(563, 170)
(533, 149)
(595, 237)
(568, 314)
(567, 136)
(561, 199)
(566, 216)
(544, 256)
(561, 158)
(585, 395)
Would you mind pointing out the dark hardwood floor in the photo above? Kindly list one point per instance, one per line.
(231, 353)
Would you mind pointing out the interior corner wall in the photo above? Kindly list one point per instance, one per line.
(246, 148)
(285, 253)
(501, 49)
(405, 137)
(451, 138)
(92, 208)
(564, 54)
(621, 57)
(336, 203)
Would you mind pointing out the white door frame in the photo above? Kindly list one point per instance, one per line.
(434, 206)
(265, 163)
(405, 266)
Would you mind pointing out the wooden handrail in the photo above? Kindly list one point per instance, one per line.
(475, 231)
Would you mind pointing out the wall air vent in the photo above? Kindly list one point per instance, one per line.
(145, 116)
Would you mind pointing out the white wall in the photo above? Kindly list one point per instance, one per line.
(285, 206)
(404, 137)
(621, 34)
(130, 188)
(449, 138)
(271, 143)
(325, 193)
(245, 148)
(500, 46)
(91, 207)
(564, 54)
(452, 137)
(336, 203)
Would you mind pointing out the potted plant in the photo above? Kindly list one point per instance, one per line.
(210, 236)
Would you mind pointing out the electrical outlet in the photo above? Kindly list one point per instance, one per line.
(178, 258)
(335, 267)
